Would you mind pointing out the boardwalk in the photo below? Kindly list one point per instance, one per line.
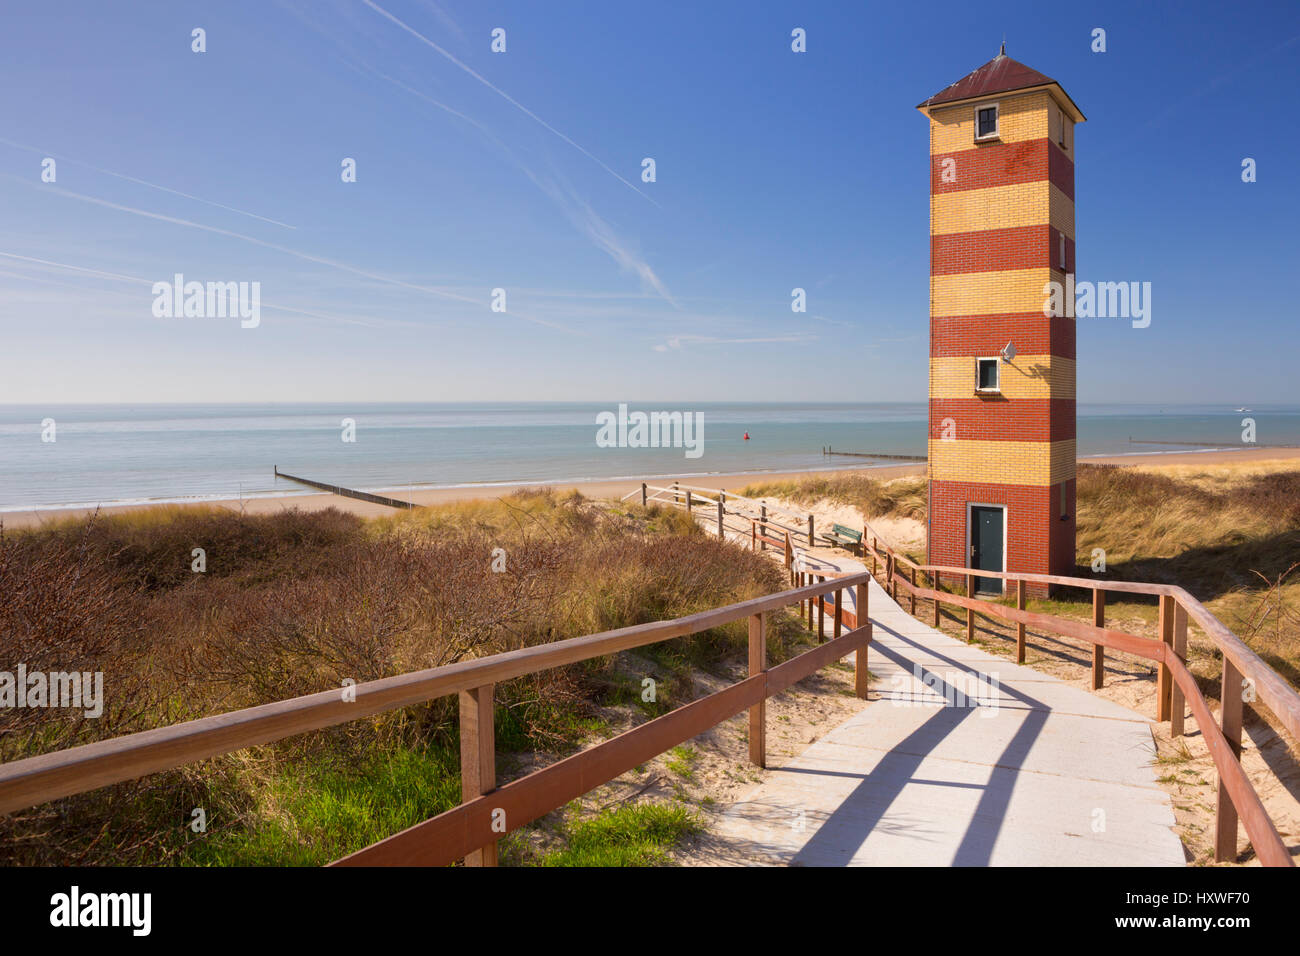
(1019, 769)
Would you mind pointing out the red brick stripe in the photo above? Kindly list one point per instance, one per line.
(1060, 170)
(1032, 333)
(995, 250)
(1001, 419)
(1003, 164)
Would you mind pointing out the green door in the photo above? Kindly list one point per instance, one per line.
(986, 545)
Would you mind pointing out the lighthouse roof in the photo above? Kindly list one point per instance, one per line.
(999, 75)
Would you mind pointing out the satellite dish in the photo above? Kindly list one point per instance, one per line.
(1008, 352)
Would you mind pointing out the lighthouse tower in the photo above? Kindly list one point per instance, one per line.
(1002, 373)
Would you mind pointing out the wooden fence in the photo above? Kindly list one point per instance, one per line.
(470, 830)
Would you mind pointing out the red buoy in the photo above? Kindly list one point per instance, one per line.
(746, 436)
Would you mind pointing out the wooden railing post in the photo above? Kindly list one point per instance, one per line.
(938, 586)
(688, 501)
(1177, 704)
(753, 535)
(970, 611)
(643, 495)
(1165, 677)
(677, 497)
(821, 612)
(1098, 650)
(839, 612)
(758, 713)
(861, 676)
(811, 541)
(911, 579)
(1020, 627)
(762, 527)
(1225, 814)
(789, 551)
(720, 510)
(478, 774)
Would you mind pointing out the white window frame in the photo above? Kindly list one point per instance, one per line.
(997, 360)
(970, 508)
(997, 122)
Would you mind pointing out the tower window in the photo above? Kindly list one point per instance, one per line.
(986, 375)
(986, 122)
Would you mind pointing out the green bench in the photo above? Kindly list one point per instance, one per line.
(845, 537)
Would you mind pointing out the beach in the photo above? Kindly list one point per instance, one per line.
(617, 488)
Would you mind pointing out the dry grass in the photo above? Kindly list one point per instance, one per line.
(1228, 534)
(898, 497)
(295, 603)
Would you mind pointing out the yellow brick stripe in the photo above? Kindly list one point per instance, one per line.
(1001, 207)
(989, 293)
(1020, 118)
(1036, 463)
(1027, 376)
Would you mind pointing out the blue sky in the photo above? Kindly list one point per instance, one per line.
(522, 170)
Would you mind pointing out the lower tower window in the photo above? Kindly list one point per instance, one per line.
(986, 375)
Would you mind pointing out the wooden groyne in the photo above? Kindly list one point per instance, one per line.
(1205, 444)
(865, 454)
(346, 492)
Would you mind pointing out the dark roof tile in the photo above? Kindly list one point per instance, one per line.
(999, 75)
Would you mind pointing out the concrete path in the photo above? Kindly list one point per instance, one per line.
(962, 758)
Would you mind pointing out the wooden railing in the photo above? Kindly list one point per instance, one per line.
(1242, 670)
(470, 830)
(692, 496)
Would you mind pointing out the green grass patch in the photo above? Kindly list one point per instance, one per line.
(308, 815)
(638, 835)
(681, 761)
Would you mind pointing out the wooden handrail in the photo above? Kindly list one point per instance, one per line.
(35, 780)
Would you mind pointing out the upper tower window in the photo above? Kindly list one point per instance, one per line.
(986, 122)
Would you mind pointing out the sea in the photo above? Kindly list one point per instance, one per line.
(64, 456)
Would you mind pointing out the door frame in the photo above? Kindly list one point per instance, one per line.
(970, 507)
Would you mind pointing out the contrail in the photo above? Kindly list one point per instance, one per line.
(319, 260)
(372, 323)
(141, 182)
(506, 96)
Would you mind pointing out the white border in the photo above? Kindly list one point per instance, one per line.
(997, 122)
(988, 358)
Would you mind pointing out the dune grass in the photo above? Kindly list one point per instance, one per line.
(897, 497)
(294, 603)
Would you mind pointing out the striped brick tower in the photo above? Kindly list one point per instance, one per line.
(1002, 420)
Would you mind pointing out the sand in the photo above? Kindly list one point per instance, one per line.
(619, 488)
